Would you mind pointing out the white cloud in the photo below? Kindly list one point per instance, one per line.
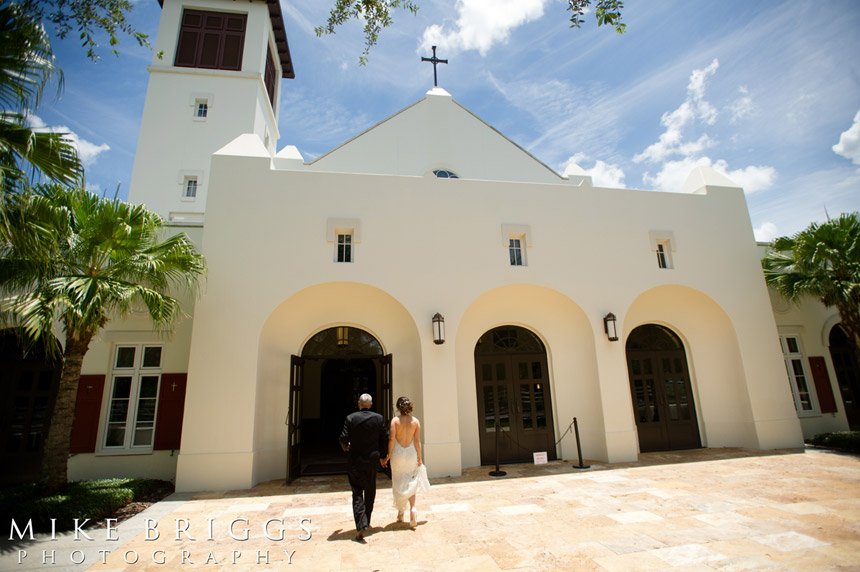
(602, 174)
(672, 175)
(741, 107)
(753, 178)
(482, 23)
(673, 171)
(766, 232)
(694, 107)
(88, 151)
(696, 92)
(849, 142)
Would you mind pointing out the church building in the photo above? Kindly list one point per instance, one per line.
(433, 257)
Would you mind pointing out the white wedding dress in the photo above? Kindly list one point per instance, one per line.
(407, 478)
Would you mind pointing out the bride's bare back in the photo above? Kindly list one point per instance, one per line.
(405, 429)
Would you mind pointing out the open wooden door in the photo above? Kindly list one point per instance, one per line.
(294, 419)
(386, 397)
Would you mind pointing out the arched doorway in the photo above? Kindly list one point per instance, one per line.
(337, 365)
(513, 392)
(661, 390)
(844, 356)
(28, 389)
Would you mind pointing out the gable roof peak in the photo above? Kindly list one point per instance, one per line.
(438, 92)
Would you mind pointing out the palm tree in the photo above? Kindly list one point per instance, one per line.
(73, 260)
(821, 261)
(26, 69)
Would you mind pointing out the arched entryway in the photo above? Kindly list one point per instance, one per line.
(337, 365)
(513, 392)
(28, 389)
(844, 356)
(661, 390)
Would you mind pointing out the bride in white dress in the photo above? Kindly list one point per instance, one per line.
(408, 473)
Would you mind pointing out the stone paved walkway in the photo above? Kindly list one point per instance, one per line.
(726, 509)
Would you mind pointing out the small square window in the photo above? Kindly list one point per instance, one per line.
(344, 248)
(152, 356)
(189, 188)
(125, 357)
(515, 251)
(201, 108)
(664, 254)
(792, 345)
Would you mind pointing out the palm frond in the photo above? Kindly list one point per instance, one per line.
(26, 59)
(50, 154)
(81, 259)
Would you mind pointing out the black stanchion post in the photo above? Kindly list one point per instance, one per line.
(497, 472)
(578, 447)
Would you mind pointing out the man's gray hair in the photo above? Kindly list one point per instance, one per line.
(365, 400)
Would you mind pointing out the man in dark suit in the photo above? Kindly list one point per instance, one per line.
(364, 435)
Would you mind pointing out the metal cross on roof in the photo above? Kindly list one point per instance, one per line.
(434, 60)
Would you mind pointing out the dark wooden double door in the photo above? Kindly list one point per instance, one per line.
(843, 353)
(28, 389)
(662, 400)
(513, 392)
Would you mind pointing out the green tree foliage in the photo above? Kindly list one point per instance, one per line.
(76, 260)
(607, 13)
(377, 14)
(88, 19)
(822, 261)
(26, 70)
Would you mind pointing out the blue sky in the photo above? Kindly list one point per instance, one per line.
(767, 92)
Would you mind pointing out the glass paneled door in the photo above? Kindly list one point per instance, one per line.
(661, 391)
(513, 391)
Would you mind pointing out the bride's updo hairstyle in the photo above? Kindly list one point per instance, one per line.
(404, 405)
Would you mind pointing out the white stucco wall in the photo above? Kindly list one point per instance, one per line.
(431, 245)
(173, 143)
(436, 133)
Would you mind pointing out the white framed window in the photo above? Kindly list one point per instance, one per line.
(201, 108)
(516, 251)
(663, 246)
(445, 174)
(344, 247)
(189, 188)
(132, 400)
(344, 234)
(798, 375)
(664, 254)
(517, 239)
(201, 104)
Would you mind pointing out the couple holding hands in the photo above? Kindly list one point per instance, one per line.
(364, 436)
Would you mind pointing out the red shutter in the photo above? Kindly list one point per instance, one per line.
(171, 406)
(822, 384)
(85, 427)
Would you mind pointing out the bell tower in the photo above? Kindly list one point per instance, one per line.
(217, 78)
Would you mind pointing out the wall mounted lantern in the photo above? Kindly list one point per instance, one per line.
(438, 329)
(609, 327)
